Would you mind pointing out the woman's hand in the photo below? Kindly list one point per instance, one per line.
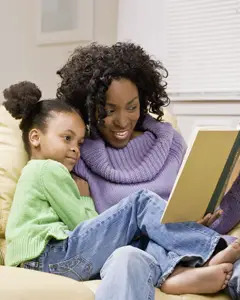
(82, 185)
(209, 219)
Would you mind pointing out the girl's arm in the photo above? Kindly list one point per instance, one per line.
(63, 195)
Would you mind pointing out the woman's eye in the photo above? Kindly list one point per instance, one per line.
(132, 107)
(109, 111)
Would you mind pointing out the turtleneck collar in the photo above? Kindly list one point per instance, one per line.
(140, 161)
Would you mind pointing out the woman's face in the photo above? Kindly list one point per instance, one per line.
(123, 111)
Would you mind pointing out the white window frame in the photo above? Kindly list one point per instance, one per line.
(199, 94)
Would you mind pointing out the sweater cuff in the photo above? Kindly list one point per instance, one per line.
(89, 206)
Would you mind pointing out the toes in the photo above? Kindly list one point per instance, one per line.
(229, 275)
(227, 268)
(224, 286)
(236, 244)
(227, 278)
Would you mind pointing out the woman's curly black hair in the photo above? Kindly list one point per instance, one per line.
(90, 70)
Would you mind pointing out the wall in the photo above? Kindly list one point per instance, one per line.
(22, 59)
(144, 22)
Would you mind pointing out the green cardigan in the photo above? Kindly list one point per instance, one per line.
(46, 204)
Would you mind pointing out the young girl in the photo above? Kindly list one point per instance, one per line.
(52, 228)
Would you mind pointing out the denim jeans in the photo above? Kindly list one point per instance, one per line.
(233, 288)
(89, 249)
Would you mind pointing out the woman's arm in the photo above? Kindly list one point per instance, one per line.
(82, 185)
(231, 209)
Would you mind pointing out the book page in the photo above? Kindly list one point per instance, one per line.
(199, 175)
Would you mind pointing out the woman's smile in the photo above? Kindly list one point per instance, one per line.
(121, 135)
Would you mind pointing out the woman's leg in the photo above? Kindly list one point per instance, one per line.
(129, 273)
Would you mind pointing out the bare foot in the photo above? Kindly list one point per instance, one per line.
(203, 280)
(228, 255)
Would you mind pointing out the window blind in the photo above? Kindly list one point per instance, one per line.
(203, 46)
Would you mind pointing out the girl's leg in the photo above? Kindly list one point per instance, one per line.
(88, 247)
(204, 280)
(189, 280)
(129, 273)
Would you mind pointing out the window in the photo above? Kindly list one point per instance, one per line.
(203, 46)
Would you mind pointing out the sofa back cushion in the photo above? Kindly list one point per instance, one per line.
(12, 159)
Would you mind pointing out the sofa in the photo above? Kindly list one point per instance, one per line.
(17, 283)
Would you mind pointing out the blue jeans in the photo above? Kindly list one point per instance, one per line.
(233, 288)
(88, 249)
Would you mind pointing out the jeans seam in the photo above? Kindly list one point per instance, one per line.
(149, 281)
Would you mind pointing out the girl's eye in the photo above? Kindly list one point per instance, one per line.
(67, 138)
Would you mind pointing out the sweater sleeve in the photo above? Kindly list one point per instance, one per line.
(63, 195)
(231, 210)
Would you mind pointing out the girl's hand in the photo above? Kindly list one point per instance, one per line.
(209, 219)
(82, 185)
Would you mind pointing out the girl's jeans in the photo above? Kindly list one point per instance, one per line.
(89, 249)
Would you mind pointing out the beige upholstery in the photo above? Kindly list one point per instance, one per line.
(92, 285)
(12, 159)
(20, 284)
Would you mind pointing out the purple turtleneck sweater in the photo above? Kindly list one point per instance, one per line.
(150, 160)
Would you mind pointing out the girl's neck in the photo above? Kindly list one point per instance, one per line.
(36, 155)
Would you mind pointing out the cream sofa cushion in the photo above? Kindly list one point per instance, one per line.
(92, 285)
(21, 284)
(12, 159)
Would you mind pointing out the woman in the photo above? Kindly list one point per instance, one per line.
(114, 88)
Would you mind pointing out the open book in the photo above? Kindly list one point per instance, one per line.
(203, 177)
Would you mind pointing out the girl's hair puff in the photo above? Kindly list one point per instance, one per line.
(23, 102)
(20, 98)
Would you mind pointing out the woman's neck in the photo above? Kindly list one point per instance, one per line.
(136, 133)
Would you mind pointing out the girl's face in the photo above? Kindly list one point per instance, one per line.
(61, 139)
(123, 112)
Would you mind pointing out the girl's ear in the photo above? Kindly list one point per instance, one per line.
(34, 137)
